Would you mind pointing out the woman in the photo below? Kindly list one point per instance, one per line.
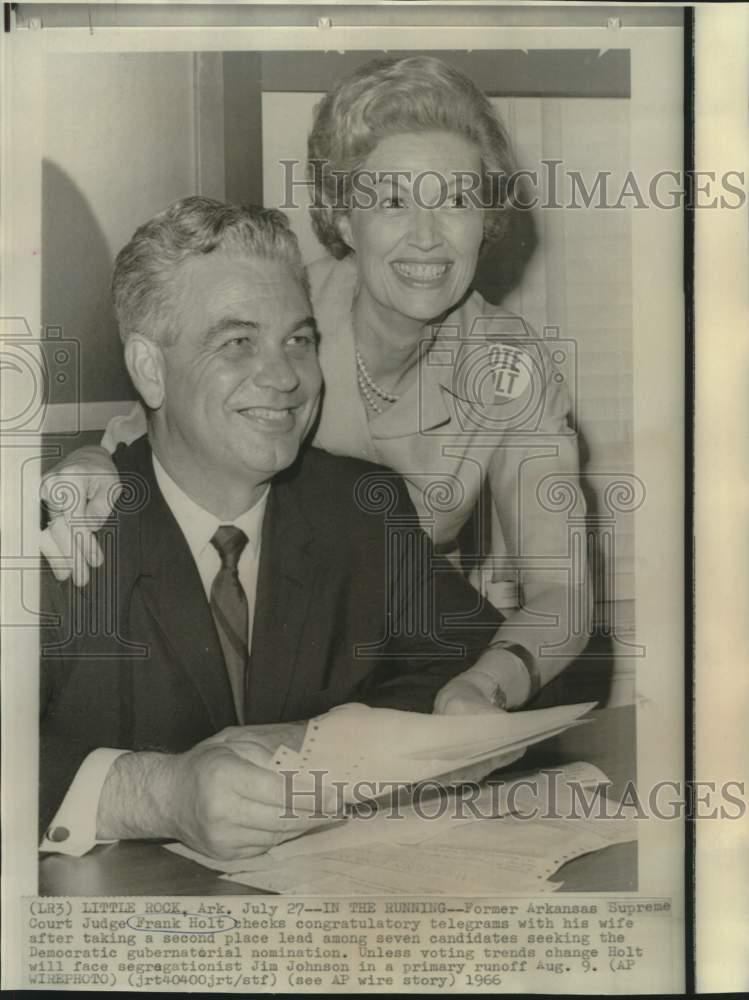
(421, 373)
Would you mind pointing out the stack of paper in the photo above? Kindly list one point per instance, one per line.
(506, 856)
(358, 747)
(509, 840)
(456, 850)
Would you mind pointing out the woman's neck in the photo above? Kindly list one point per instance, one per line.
(388, 341)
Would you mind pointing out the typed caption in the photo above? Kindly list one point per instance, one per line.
(283, 944)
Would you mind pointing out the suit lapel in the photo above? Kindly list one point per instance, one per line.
(172, 591)
(291, 561)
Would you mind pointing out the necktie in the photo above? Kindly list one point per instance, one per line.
(230, 611)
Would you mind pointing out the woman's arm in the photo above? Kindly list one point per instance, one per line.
(537, 499)
(79, 492)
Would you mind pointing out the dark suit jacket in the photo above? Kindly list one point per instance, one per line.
(351, 605)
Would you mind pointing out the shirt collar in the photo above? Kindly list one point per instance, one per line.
(198, 525)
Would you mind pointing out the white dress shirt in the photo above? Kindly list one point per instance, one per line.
(73, 829)
(199, 527)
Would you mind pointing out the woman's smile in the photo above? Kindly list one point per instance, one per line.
(421, 274)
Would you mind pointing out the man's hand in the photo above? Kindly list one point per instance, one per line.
(209, 798)
(81, 489)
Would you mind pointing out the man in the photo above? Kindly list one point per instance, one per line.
(246, 582)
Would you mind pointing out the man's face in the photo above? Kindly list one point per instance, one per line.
(242, 379)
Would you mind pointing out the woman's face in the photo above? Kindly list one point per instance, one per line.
(417, 246)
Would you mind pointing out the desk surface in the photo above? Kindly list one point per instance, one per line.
(140, 868)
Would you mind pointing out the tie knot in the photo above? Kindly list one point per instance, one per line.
(229, 542)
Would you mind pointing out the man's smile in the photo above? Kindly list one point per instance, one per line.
(273, 417)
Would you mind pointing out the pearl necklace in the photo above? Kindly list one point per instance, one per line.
(369, 388)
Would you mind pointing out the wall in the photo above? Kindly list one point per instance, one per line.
(121, 142)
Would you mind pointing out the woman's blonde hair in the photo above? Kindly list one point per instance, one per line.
(388, 96)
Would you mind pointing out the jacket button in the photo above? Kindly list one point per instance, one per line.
(59, 833)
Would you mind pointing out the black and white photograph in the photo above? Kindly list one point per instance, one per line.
(346, 495)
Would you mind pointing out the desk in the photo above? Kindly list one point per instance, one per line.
(140, 868)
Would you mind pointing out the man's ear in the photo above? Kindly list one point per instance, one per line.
(145, 363)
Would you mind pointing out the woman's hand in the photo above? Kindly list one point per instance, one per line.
(460, 696)
(497, 671)
(79, 492)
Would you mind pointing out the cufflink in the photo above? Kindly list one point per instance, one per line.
(58, 833)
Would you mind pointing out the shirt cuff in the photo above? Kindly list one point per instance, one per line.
(73, 829)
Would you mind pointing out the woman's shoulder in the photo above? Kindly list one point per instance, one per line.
(479, 317)
(486, 324)
(481, 328)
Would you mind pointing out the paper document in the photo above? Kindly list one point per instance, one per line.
(412, 848)
(468, 845)
(507, 856)
(384, 745)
